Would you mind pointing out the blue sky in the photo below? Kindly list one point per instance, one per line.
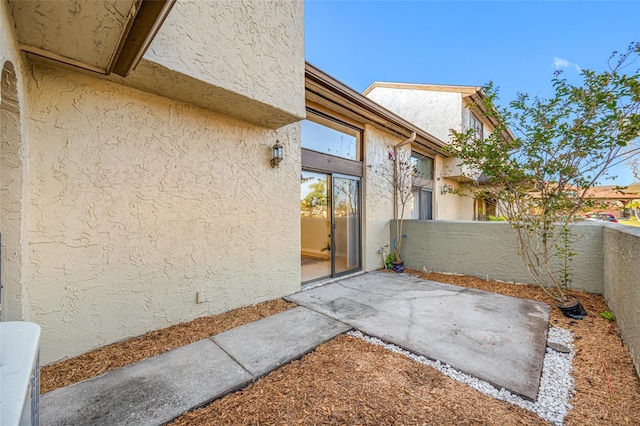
(517, 45)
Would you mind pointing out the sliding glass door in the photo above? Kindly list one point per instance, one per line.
(346, 223)
(330, 225)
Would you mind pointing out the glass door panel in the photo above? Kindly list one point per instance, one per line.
(315, 224)
(346, 224)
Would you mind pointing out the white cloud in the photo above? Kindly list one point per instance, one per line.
(564, 63)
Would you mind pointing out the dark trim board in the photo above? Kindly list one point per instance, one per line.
(313, 160)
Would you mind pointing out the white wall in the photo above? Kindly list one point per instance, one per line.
(140, 206)
(437, 113)
(434, 112)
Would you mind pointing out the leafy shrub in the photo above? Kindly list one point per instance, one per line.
(388, 263)
(608, 315)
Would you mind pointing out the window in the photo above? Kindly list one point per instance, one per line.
(422, 168)
(422, 208)
(331, 138)
(476, 125)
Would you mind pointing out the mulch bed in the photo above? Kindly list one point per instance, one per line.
(116, 355)
(348, 381)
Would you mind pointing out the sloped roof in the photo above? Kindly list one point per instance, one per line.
(464, 90)
(475, 93)
(612, 192)
(323, 88)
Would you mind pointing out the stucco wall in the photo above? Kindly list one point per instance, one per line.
(378, 195)
(435, 112)
(489, 250)
(13, 189)
(622, 282)
(141, 207)
(249, 54)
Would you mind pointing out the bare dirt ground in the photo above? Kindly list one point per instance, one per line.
(348, 381)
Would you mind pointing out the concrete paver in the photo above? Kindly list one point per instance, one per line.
(278, 339)
(496, 338)
(149, 392)
(159, 389)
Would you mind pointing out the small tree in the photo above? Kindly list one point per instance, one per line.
(402, 187)
(560, 147)
(397, 173)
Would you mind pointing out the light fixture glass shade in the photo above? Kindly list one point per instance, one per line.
(277, 154)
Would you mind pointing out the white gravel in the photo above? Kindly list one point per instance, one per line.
(556, 384)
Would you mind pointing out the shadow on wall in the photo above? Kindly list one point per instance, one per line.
(11, 197)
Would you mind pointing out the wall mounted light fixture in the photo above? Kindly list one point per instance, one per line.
(277, 154)
(445, 189)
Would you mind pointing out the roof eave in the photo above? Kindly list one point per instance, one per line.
(321, 83)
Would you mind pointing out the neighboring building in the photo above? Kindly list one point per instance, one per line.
(437, 109)
(136, 184)
(613, 199)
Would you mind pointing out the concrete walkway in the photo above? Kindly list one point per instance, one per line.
(496, 338)
(159, 389)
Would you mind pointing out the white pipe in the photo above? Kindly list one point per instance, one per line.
(411, 139)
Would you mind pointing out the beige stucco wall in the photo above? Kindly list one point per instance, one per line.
(435, 112)
(378, 195)
(13, 188)
(244, 58)
(87, 31)
(457, 205)
(622, 282)
(141, 207)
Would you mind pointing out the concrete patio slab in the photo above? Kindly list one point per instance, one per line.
(264, 345)
(496, 338)
(149, 392)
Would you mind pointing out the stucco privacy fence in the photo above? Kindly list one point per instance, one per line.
(607, 261)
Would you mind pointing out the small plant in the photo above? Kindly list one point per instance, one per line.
(608, 315)
(388, 262)
(493, 218)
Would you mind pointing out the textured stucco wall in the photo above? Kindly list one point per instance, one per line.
(141, 206)
(87, 31)
(13, 188)
(435, 112)
(247, 57)
(622, 282)
(378, 195)
(489, 250)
